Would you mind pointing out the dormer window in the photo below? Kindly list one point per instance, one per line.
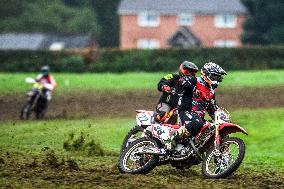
(185, 19)
(148, 19)
(225, 21)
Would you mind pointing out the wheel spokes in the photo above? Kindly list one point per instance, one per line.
(218, 164)
(134, 159)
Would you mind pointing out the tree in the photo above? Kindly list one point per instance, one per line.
(266, 22)
(108, 20)
(11, 8)
(76, 3)
(52, 16)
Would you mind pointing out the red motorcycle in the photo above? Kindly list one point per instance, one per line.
(144, 119)
(219, 153)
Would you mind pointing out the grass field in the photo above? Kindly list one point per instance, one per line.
(14, 82)
(264, 143)
(34, 154)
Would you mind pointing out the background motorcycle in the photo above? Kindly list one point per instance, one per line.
(36, 102)
(220, 154)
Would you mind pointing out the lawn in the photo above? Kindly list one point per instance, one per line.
(14, 82)
(264, 143)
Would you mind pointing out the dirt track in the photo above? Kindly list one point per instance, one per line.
(35, 173)
(92, 104)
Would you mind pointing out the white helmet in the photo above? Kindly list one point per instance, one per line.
(212, 73)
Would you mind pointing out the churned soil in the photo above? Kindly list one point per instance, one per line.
(124, 103)
(36, 173)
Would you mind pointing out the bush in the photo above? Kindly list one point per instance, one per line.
(112, 60)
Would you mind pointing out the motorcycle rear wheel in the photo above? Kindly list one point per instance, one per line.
(141, 163)
(225, 164)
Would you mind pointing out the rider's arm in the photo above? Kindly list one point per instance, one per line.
(212, 107)
(38, 77)
(188, 83)
(51, 83)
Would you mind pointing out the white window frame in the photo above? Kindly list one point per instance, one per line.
(225, 21)
(144, 19)
(148, 43)
(185, 19)
(225, 43)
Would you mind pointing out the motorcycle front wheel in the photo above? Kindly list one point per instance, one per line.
(232, 152)
(41, 108)
(134, 161)
(135, 133)
(26, 111)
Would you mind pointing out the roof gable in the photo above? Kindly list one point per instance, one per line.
(184, 6)
(184, 38)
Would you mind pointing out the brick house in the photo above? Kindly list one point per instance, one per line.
(180, 23)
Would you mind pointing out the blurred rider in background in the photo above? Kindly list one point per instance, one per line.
(47, 81)
(169, 86)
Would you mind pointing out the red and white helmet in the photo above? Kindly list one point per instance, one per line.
(212, 73)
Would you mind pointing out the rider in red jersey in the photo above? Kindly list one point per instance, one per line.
(203, 99)
(47, 80)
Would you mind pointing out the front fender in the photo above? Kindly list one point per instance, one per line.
(228, 128)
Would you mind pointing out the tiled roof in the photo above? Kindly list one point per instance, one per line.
(184, 6)
(21, 41)
(38, 41)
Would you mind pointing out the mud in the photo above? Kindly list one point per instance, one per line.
(124, 103)
(33, 173)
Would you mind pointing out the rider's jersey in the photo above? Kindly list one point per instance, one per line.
(188, 85)
(204, 99)
(172, 80)
(47, 81)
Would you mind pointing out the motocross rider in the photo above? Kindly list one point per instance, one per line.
(169, 86)
(192, 112)
(47, 81)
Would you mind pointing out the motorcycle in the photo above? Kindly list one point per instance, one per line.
(37, 101)
(144, 119)
(219, 153)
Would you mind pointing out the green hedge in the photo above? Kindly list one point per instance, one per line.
(108, 60)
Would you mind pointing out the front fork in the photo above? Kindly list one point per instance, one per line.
(217, 141)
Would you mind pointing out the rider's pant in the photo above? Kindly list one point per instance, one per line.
(161, 110)
(192, 122)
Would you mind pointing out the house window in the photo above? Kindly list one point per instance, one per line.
(56, 46)
(225, 21)
(148, 19)
(185, 19)
(225, 43)
(148, 44)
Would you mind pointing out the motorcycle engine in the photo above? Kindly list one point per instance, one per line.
(181, 149)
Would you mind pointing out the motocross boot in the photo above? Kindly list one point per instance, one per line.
(180, 134)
